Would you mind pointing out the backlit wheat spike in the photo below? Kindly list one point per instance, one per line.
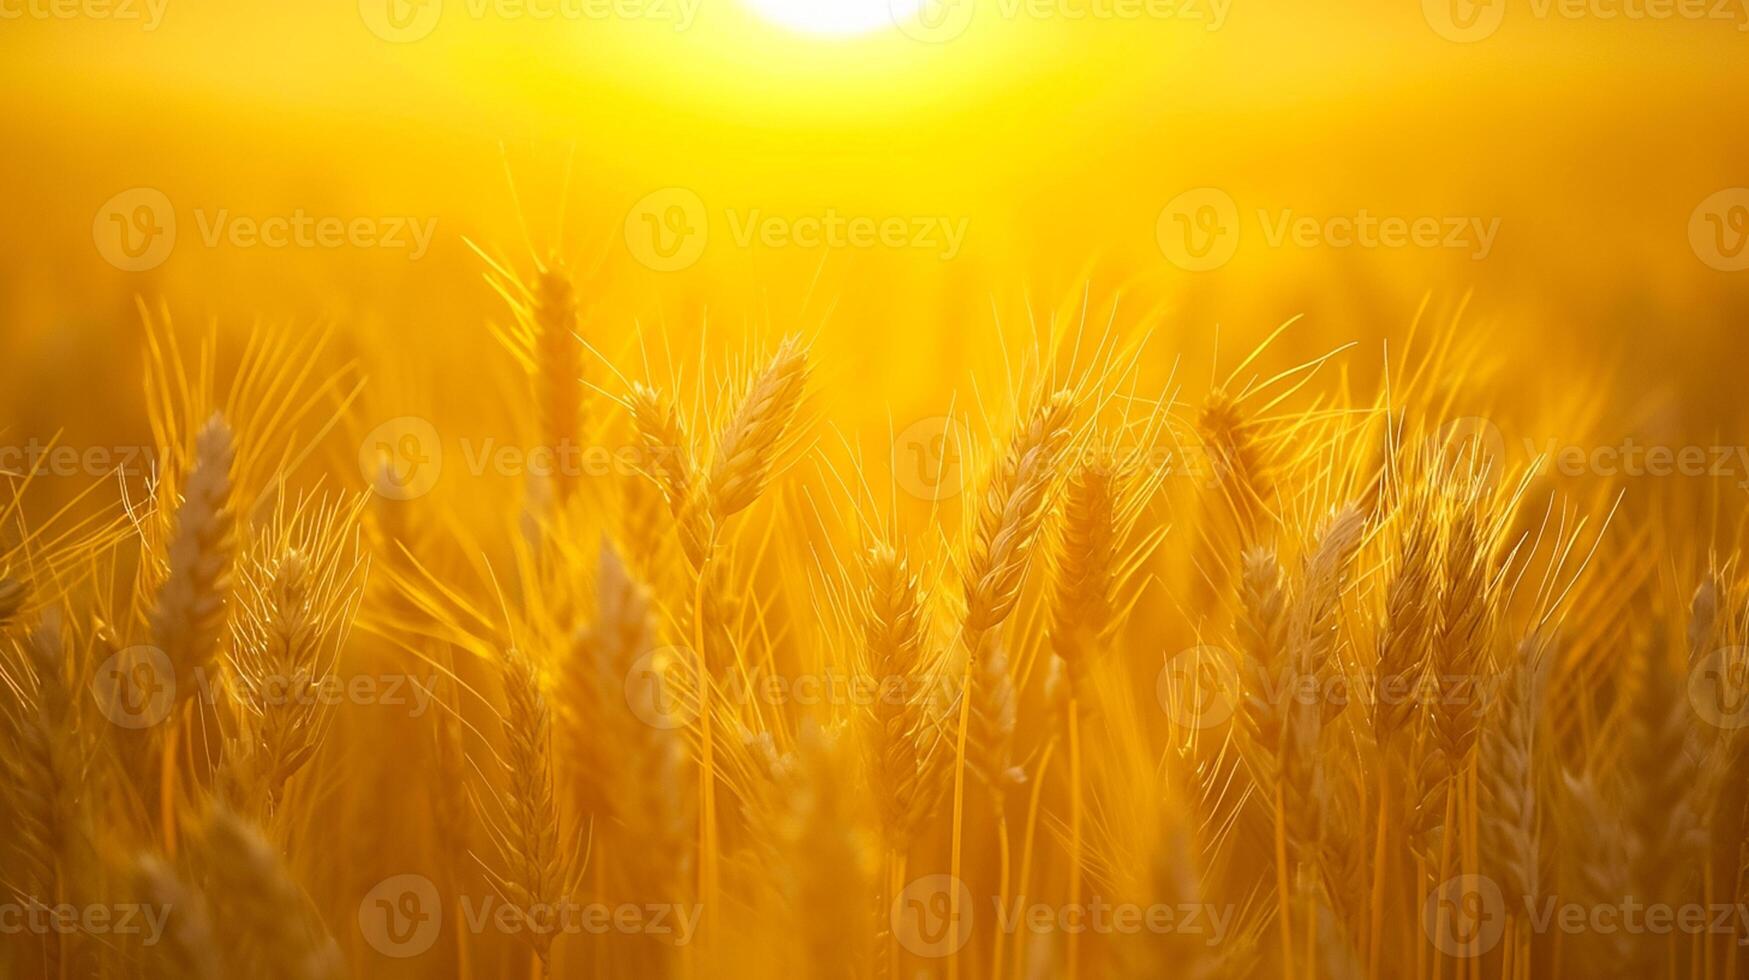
(670, 464)
(1462, 649)
(1510, 820)
(43, 779)
(558, 376)
(827, 862)
(283, 681)
(1175, 876)
(748, 444)
(1015, 502)
(532, 871)
(1663, 821)
(992, 718)
(648, 793)
(1598, 851)
(1086, 566)
(1232, 443)
(264, 917)
(189, 615)
(902, 733)
(1406, 641)
(1313, 624)
(1262, 629)
(187, 950)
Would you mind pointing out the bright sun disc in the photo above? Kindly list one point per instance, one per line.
(837, 17)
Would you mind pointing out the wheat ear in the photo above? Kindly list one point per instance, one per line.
(187, 950)
(43, 778)
(902, 735)
(1086, 566)
(1015, 502)
(189, 614)
(1510, 820)
(670, 465)
(748, 443)
(558, 375)
(266, 918)
(1406, 640)
(281, 683)
(525, 824)
(1232, 443)
(647, 794)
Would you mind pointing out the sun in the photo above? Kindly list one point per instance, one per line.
(840, 18)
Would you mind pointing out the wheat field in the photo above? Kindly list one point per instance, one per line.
(673, 494)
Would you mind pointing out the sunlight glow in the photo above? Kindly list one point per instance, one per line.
(837, 17)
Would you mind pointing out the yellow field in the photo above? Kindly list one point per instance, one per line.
(1010, 489)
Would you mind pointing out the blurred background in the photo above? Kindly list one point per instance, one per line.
(1047, 137)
